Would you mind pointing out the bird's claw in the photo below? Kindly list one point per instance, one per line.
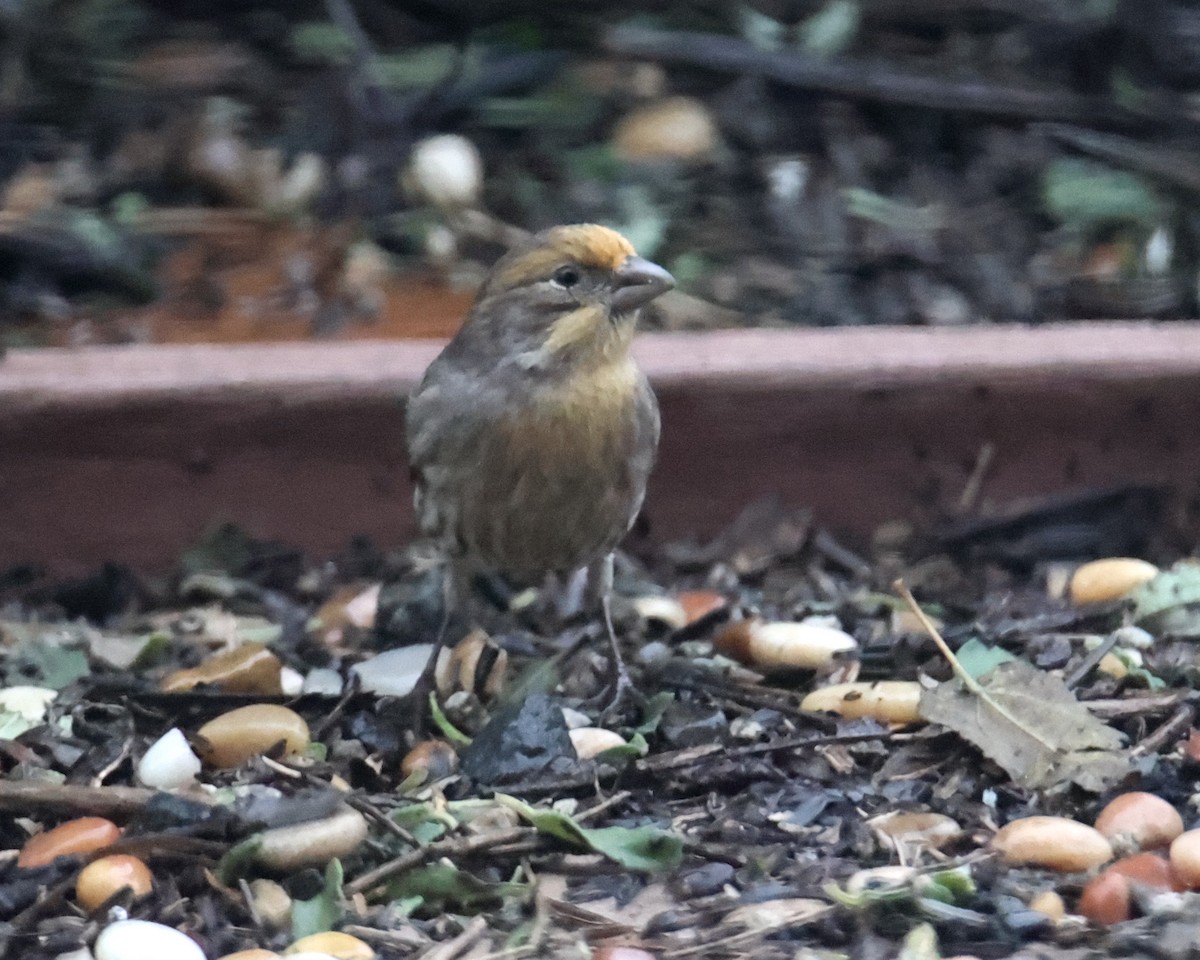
(619, 700)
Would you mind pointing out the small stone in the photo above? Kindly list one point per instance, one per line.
(244, 733)
(80, 836)
(436, 759)
(522, 740)
(687, 724)
(590, 742)
(103, 878)
(169, 762)
(703, 881)
(143, 940)
(250, 668)
(323, 680)
(675, 128)
(340, 946)
(394, 673)
(272, 904)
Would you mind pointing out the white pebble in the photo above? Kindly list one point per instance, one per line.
(653, 652)
(394, 673)
(291, 682)
(29, 702)
(574, 719)
(446, 170)
(1135, 637)
(323, 680)
(143, 940)
(169, 763)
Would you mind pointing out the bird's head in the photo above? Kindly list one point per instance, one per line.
(568, 294)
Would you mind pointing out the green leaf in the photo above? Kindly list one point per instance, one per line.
(890, 212)
(47, 664)
(416, 818)
(652, 715)
(618, 756)
(1087, 193)
(12, 725)
(832, 29)
(977, 658)
(1170, 602)
(445, 888)
(322, 911)
(321, 42)
(758, 29)
(645, 849)
(448, 730)
(423, 66)
(238, 860)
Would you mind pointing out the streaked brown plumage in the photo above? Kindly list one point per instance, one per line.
(532, 435)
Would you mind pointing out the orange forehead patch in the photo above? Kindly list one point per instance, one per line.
(587, 244)
(591, 245)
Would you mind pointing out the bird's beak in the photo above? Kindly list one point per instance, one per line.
(638, 282)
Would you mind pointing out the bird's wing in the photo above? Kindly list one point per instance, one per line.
(448, 417)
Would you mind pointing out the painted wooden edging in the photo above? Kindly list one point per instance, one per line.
(127, 453)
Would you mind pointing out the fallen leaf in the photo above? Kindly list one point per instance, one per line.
(1028, 722)
(645, 849)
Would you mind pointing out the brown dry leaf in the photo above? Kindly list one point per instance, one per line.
(1028, 722)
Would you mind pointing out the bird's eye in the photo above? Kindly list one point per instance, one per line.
(566, 277)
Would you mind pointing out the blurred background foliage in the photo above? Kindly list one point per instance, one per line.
(191, 171)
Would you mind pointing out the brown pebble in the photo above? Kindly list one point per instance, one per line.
(1185, 858)
(83, 835)
(698, 604)
(436, 758)
(1049, 903)
(1139, 821)
(340, 946)
(675, 128)
(239, 735)
(1053, 842)
(101, 879)
(893, 701)
(251, 668)
(1112, 578)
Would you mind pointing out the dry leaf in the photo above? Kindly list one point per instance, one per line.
(1028, 722)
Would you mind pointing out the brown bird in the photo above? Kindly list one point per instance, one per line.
(532, 435)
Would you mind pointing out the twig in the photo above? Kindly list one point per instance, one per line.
(457, 847)
(27, 796)
(455, 948)
(968, 681)
(1172, 729)
(867, 80)
(619, 797)
(974, 484)
(737, 939)
(1089, 662)
(380, 818)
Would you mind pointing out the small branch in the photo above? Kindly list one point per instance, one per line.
(457, 847)
(460, 945)
(968, 681)
(868, 80)
(974, 485)
(38, 796)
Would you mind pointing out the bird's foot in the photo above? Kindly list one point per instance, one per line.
(619, 701)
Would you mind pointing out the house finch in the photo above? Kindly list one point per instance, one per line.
(532, 434)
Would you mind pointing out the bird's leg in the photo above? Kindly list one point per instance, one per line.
(620, 693)
(453, 592)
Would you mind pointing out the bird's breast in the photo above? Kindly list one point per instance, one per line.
(563, 476)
